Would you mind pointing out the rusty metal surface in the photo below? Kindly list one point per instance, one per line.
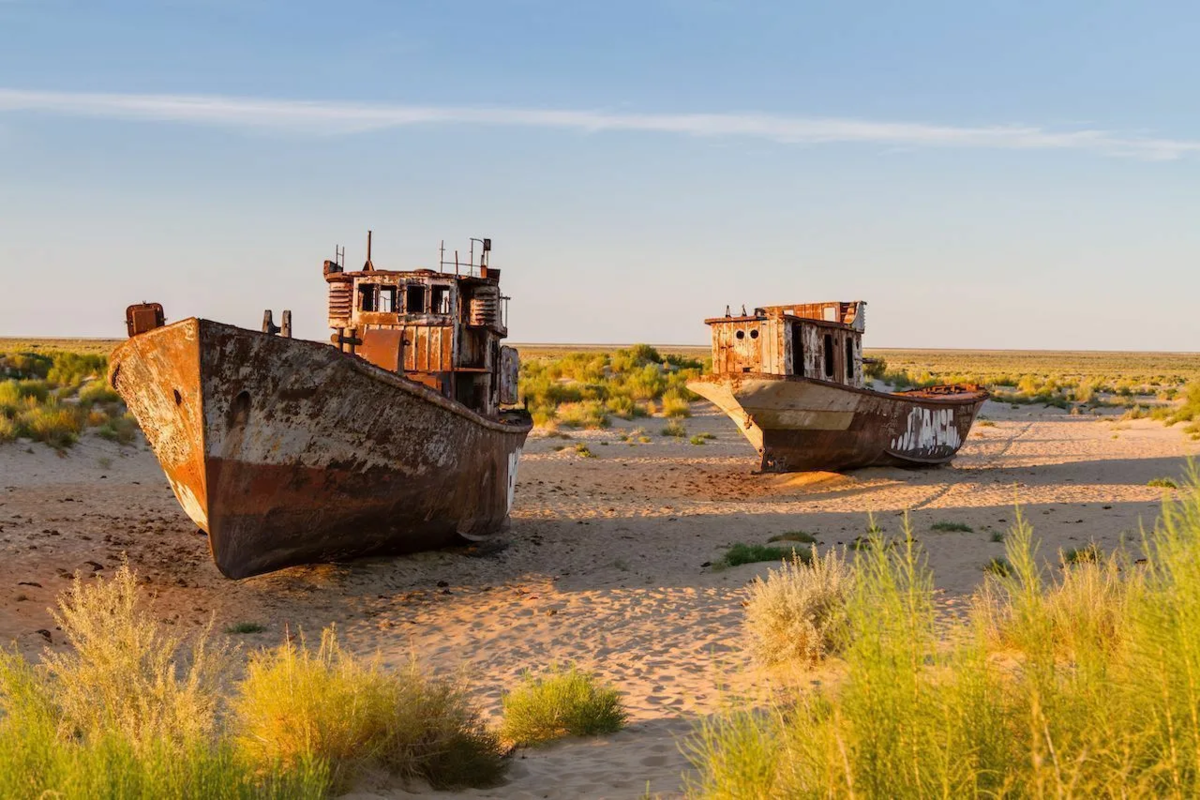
(287, 451)
(142, 317)
(801, 424)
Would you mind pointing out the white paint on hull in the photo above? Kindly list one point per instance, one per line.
(513, 459)
(928, 431)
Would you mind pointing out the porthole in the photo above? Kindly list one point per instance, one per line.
(741, 334)
(754, 334)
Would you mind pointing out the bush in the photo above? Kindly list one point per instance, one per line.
(297, 706)
(562, 702)
(588, 414)
(799, 612)
(125, 674)
(951, 527)
(97, 392)
(674, 428)
(675, 405)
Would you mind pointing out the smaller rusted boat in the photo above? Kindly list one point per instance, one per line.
(792, 379)
(398, 437)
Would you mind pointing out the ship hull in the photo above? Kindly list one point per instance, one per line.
(287, 451)
(801, 424)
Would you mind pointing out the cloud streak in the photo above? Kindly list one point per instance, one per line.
(332, 118)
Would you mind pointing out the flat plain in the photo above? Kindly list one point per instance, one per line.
(611, 560)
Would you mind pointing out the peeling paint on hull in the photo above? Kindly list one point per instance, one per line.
(801, 424)
(287, 451)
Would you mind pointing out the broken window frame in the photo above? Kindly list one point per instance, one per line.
(385, 300)
(368, 297)
(829, 355)
(439, 300)
(411, 292)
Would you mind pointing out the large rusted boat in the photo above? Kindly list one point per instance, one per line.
(395, 438)
(792, 379)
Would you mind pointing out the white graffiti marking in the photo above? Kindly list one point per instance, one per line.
(928, 430)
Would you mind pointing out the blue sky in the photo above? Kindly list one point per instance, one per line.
(985, 174)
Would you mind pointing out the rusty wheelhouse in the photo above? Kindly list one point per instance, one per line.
(397, 437)
(792, 379)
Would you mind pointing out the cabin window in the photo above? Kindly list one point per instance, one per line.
(754, 334)
(414, 299)
(387, 299)
(741, 334)
(829, 355)
(797, 349)
(849, 359)
(366, 296)
(441, 299)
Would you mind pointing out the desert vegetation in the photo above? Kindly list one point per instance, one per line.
(584, 389)
(1068, 679)
(1164, 386)
(563, 701)
(55, 396)
(132, 709)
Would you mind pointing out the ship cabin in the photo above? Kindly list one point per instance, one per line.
(438, 327)
(822, 341)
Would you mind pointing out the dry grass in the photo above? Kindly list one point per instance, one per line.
(798, 613)
(300, 705)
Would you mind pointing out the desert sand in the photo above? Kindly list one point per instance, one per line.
(607, 563)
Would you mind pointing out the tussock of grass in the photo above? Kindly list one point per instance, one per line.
(561, 702)
(583, 451)
(1094, 695)
(951, 527)
(299, 705)
(803, 537)
(242, 628)
(674, 428)
(799, 612)
(1163, 483)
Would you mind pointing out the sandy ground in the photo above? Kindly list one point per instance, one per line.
(607, 563)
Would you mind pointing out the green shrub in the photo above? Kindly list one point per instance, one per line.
(97, 392)
(587, 414)
(1163, 483)
(951, 527)
(741, 553)
(561, 702)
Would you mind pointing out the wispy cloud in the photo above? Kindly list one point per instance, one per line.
(340, 118)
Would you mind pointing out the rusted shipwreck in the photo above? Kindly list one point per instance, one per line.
(792, 379)
(395, 438)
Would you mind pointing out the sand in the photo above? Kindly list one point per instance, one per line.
(607, 563)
